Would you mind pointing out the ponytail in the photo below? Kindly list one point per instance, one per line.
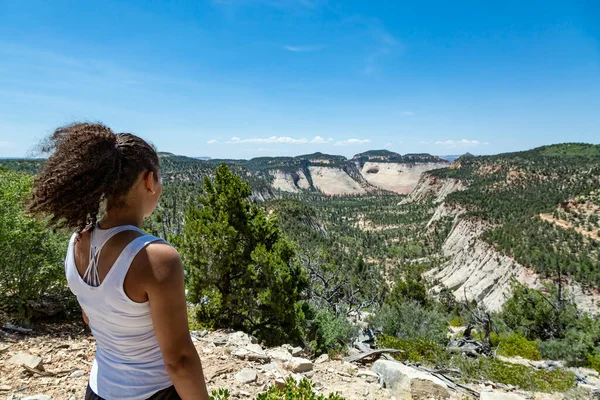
(88, 163)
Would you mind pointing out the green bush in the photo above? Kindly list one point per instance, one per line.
(516, 344)
(240, 269)
(456, 322)
(593, 361)
(417, 350)
(329, 333)
(302, 390)
(409, 320)
(537, 315)
(32, 256)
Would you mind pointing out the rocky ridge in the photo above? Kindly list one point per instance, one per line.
(54, 367)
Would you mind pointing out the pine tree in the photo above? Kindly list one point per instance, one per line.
(240, 268)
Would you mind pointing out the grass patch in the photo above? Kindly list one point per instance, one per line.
(456, 322)
(418, 350)
(526, 378)
(515, 344)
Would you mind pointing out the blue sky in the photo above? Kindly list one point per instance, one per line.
(246, 78)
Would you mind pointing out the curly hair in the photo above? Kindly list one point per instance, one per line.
(88, 163)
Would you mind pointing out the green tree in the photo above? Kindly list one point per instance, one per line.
(31, 255)
(241, 270)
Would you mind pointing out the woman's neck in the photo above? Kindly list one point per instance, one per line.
(114, 217)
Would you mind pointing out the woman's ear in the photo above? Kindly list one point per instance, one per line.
(150, 182)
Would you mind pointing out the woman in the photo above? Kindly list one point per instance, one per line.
(130, 285)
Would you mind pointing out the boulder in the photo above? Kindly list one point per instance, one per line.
(76, 374)
(322, 359)
(297, 351)
(251, 352)
(407, 383)
(497, 395)
(246, 375)
(369, 376)
(279, 354)
(299, 365)
(22, 358)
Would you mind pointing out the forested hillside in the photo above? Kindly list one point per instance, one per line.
(521, 194)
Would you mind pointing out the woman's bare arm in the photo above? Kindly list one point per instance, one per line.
(166, 293)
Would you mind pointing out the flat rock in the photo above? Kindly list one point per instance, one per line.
(220, 340)
(76, 374)
(407, 383)
(497, 395)
(299, 365)
(251, 352)
(246, 375)
(37, 397)
(322, 359)
(297, 351)
(369, 376)
(22, 358)
(279, 354)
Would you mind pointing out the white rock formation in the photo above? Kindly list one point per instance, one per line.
(293, 182)
(434, 188)
(396, 177)
(334, 181)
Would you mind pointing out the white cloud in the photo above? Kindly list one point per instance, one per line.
(351, 142)
(269, 140)
(213, 141)
(320, 140)
(460, 143)
(301, 49)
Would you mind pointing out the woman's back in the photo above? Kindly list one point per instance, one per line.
(129, 363)
(130, 285)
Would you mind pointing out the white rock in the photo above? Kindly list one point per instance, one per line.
(498, 395)
(37, 397)
(299, 365)
(369, 376)
(27, 359)
(246, 375)
(252, 352)
(407, 383)
(76, 374)
(279, 354)
(322, 359)
(296, 351)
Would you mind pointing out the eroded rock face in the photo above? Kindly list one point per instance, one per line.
(407, 383)
(431, 187)
(334, 181)
(475, 270)
(396, 177)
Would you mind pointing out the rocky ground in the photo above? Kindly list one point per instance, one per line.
(55, 365)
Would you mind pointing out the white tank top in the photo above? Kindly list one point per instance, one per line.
(128, 363)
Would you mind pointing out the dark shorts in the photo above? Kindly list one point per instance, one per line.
(166, 394)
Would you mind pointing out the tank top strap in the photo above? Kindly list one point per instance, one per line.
(123, 262)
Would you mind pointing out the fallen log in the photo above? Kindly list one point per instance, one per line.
(370, 353)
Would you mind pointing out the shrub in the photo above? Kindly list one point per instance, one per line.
(409, 320)
(593, 361)
(417, 350)
(516, 344)
(31, 256)
(240, 269)
(302, 390)
(456, 322)
(536, 315)
(329, 333)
